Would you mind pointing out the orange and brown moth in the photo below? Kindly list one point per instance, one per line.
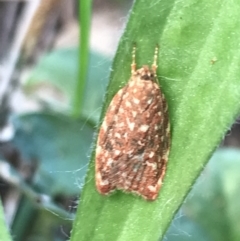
(134, 138)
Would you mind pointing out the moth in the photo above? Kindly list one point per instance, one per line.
(134, 138)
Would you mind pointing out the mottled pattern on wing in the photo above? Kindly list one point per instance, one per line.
(133, 143)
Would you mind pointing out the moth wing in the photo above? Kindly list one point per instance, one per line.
(105, 145)
(134, 141)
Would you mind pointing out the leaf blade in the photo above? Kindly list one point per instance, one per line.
(191, 34)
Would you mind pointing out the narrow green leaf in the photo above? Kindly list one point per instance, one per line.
(4, 234)
(199, 66)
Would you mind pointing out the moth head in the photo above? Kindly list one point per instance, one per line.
(146, 74)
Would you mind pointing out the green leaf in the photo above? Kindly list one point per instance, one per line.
(211, 210)
(4, 234)
(184, 228)
(61, 147)
(57, 71)
(199, 66)
(214, 201)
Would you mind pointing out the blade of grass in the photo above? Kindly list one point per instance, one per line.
(203, 97)
(85, 20)
(4, 234)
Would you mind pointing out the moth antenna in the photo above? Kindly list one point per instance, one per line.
(133, 65)
(154, 65)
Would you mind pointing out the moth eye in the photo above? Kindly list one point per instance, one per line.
(146, 77)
